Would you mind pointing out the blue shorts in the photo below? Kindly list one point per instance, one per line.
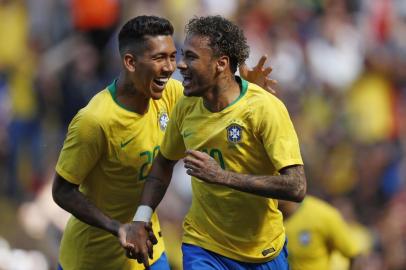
(197, 258)
(161, 264)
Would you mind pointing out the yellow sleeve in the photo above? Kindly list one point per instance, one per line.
(278, 135)
(178, 93)
(340, 236)
(82, 148)
(175, 91)
(173, 147)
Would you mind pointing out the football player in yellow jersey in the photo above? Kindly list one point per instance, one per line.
(110, 146)
(315, 229)
(109, 149)
(241, 149)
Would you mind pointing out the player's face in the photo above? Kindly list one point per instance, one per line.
(154, 65)
(197, 66)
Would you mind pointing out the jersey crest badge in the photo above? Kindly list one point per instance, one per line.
(163, 120)
(304, 238)
(234, 133)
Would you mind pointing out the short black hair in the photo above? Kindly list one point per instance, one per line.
(225, 38)
(136, 29)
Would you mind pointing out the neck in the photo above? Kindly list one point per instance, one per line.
(222, 94)
(130, 97)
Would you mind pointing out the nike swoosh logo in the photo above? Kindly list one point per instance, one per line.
(187, 134)
(123, 144)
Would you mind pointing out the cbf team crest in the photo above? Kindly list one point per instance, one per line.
(234, 133)
(304, 238)
(163, 120)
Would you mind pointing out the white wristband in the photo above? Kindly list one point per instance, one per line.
(144, 213)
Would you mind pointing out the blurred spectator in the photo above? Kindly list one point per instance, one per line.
(17, 67)
(335, 54)
(96, 18)
(341, 67)
(80, 80)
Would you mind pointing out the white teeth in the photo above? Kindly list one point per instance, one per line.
(162, 80)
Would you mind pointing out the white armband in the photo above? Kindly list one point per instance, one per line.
(144, 213)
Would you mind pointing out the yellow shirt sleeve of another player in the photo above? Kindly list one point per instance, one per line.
(340, 236)
(176, 91)
(172, 146)
(279, 136)
(82, 148)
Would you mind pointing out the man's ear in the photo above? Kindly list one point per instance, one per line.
(223, 62)
(129, 61)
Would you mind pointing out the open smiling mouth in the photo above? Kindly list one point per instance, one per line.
(186, 80)
(161, 81)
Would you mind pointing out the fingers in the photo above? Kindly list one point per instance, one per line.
(122, 236)
(132, 251)
(150, 249)
(144, 259)
(196, 154)
(151, 234)
(261, 62)
(193, 166)
(267, 71)
(269, 83)
(196, 158)
(141, 255)
(193, 172)
(273, 81)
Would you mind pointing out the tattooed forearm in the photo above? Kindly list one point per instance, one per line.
(157, 181)
(156, 187)
(289, 185)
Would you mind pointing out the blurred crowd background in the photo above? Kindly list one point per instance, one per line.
(341, 68)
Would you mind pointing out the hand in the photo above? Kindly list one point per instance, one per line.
(259, 75)
(204, 167)
(137, 238)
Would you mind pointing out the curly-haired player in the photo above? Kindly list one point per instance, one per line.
(241, 149)
(109, 150)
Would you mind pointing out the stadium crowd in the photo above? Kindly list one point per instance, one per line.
(341, 68)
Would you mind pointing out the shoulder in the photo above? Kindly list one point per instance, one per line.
(94, 113)
(173, 89)
(265, 108)
(172, 93)
(263, 99)
(186, 104)
(174, 84)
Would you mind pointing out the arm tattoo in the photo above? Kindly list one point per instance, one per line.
(289, 185)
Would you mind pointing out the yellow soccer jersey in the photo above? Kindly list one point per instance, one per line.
(253, 135)
(313, 231)
(108, 151)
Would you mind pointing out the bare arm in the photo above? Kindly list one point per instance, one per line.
(157, 181)
(68, 197)
(154, 190)
(289, 185)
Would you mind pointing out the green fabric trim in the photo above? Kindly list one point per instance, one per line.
(113, 91)
(244, 87)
